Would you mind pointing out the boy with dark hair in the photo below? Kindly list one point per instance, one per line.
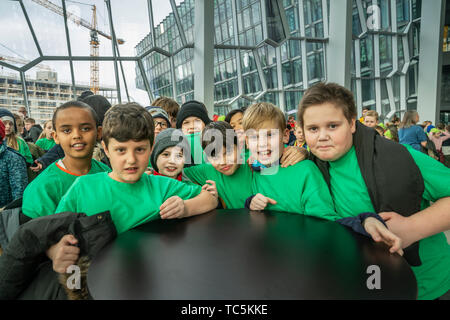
(170, 106)
(131, 196)
(76, 131)
(160, 119)
(226, 166)
(358, 166)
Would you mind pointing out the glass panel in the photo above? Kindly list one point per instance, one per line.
(16, 42)
(131, 22)
(48, 27)
(47, 89)
(80, 36)
(107, 82)
(11, 93)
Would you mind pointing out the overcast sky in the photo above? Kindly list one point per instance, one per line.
(130, 20)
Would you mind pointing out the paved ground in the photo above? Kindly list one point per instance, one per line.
(447, 233)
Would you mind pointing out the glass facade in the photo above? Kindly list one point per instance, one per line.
(277, 49)
(264, 50)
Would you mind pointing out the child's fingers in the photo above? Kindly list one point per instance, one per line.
(70, 257)
(271, 201)
(168, 202)
(70, 250)
(169, 208)
(174, 213)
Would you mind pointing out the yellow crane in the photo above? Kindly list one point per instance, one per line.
(94, 32)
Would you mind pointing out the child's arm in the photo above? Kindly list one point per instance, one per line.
(423, 224)
(175, 207)
(64, 253)
(368, 224)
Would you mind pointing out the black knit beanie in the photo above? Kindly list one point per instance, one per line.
(7, 115)
(100, 105)
(169, 138)
(192, 109)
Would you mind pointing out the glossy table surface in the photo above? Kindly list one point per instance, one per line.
(235, 254)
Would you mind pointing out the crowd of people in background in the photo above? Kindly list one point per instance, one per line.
(33, 172)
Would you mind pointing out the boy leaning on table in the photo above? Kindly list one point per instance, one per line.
(368, 173)
(132, 197)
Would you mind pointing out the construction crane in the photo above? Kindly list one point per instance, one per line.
(94, 32)
(23, 62)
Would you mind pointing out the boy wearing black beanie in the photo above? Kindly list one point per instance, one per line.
(192, 117)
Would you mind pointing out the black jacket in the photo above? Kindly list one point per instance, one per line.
(391, 175)
(24, 263)
(33, 134)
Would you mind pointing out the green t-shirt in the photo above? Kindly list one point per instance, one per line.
(24, 150)
(45, 143)
(130, 204)
(196, 148)
(351, 198)
(42, 195)
(233, 190)
(297, 189)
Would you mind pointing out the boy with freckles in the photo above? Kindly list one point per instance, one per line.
(358, 166)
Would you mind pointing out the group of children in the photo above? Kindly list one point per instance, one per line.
(159, 172)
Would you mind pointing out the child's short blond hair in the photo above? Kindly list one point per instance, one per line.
(372, 113)
(257, 113)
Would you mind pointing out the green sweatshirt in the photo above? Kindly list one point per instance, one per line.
(42, 195)
(351, 197)
(297, 189)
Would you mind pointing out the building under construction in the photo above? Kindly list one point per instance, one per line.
(44, 93)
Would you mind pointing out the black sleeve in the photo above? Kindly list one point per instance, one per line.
(51, 156)
(248, 201)
(34, 134)
(356, 223)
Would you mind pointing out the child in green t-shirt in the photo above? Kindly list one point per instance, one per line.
(192, 119)
(368, 173)
(45, 140)
(306, 193)
(227, 167)
(131, 196)
(77, 133)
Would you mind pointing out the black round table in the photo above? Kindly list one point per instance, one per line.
(237, 254)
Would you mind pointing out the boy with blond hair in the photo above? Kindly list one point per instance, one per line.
(265, 129)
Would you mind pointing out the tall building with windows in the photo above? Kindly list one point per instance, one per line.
(280, 49)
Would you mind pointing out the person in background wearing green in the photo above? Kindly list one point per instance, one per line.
(368, 173)
(46, 140)
(77, 133)
(13, 139)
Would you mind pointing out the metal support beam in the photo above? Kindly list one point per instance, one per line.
(178, 22)
(25, 93)
(113, 35)
(69, 49)
(203, 63)
(339, 47)
(145, 79)
(36, 42)
(430, 62)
